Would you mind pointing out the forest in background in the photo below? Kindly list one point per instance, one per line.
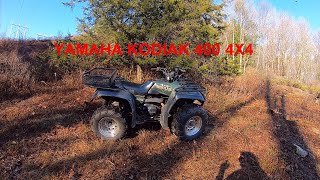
(283, 45)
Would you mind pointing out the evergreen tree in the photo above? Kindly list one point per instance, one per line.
(153, 21)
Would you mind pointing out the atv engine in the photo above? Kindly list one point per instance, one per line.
(152, 108)
(153, 105)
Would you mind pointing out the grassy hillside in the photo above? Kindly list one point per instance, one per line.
(23, 64)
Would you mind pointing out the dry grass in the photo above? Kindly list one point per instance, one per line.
(48, 136)
(22, 64)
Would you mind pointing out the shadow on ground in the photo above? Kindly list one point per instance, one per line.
(250, 168)
(287, 134)
(155, 166)
(33, 126)
(152, 166)
(160, 166)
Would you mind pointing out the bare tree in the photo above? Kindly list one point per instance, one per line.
(285, 46)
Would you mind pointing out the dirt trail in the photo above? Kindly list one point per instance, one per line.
(48, 136)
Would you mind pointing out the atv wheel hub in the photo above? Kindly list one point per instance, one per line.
(193, 125)
(108, 127)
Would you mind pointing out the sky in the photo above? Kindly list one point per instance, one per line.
(52, 18)
(308, 9)
(44, 17)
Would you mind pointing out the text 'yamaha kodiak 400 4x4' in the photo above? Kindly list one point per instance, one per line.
(175, 102)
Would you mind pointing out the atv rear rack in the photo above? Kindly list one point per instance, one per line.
(100, 77)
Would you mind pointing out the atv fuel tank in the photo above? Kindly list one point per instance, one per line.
(163, 87)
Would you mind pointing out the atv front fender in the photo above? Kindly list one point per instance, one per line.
(121, 94)
(173, 98)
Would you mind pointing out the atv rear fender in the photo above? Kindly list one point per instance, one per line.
(121, 94)
(173, 99)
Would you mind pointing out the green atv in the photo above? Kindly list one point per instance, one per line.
(175, 102)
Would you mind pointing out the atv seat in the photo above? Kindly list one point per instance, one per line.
(140, 89)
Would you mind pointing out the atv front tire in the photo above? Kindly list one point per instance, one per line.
(107, 124)
(189, 122)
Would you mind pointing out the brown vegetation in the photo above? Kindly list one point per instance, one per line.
(253, 124)
(22, 64)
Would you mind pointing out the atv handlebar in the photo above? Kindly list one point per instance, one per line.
(170, 75)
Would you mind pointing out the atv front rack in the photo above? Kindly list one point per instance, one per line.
(100, 77)
(189, 86)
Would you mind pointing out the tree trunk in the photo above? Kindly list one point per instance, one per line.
(139, 74)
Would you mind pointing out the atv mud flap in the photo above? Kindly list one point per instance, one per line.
(173, 98)
(121, 94)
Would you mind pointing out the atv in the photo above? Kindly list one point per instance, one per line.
(174, 101)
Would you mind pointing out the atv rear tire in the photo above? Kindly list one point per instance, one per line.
(107, 124)
(189, 122)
